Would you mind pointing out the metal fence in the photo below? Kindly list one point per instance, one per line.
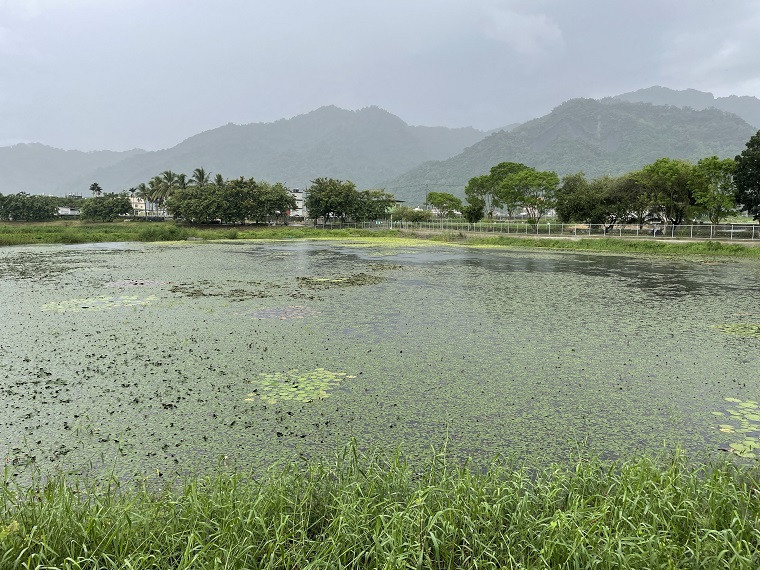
(731, 232)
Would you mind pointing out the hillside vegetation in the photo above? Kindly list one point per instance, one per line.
(596, 137)
(366, 146)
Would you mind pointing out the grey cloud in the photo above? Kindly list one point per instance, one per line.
(124, 73)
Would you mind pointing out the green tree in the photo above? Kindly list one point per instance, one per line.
(373, 205)
(670, 182)
(446, 204)
(481, 189)
(713, 187)
(23, 207)
(331, 198)
(574, 199)
(747, 177)
(474, 210)
(96, 189)
(408, 214)
(200, 177)
(537, 191)
(106, 208)
(508, 197)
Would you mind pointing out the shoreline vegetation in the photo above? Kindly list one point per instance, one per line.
(29, 233)
(373, 511)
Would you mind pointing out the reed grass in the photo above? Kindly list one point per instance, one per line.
(376, 512)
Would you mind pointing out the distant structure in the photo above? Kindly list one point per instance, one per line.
(73, 196)
(300, 196)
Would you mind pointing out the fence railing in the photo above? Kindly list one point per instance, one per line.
(658, 231)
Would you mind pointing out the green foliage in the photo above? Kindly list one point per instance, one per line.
(22, 207)
(106, 208)
(714, 189)
(234, 201)
(533, 190)
(745, 418)
(331, 198)
(446, 204)
(360, 511)
(747, 177)
(474, 210)
(670, 182)
(408, 214)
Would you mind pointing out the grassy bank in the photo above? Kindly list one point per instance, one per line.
(361, 512)
(81, 232)
(612, 245)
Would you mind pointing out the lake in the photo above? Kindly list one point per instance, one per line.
(145, 359)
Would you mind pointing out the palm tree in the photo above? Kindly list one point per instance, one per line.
(96, 189)
(200, 177)
(143, 192)
(156, 191)
(219, 180)
(181, 181)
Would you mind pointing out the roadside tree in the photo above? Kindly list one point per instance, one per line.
(713, 187)
(446, 204)
(747, 177)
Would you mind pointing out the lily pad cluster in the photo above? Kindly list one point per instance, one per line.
(745, 415)
(296, 385)
(99, 303)
(741, 329)
(282, 313)
(134, 283)
(348, 281)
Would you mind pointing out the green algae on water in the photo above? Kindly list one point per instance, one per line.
(99, 303)
(296, 386)
(741, 329)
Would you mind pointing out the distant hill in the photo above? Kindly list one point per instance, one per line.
(366, 146)
(748, 108)
(598, 137)
(40, 169)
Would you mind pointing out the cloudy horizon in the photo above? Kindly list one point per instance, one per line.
(121, 74)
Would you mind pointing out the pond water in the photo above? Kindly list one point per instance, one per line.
(162, 358)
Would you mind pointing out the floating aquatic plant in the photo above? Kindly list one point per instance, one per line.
(741, 329)
(99, 303)
(296, 385)
(745, 415)
(349, 281)
(282, 313)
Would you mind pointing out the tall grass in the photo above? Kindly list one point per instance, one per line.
(375, 512)
(81, 232)
(613, 245)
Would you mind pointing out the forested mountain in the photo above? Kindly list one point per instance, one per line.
(748, 108)
(40, 169)
(598, 137)
(366, 146)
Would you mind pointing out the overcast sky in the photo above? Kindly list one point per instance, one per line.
(119, 74)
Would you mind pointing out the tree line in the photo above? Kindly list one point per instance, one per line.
(668, 191)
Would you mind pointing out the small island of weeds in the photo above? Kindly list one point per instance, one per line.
(377, 512)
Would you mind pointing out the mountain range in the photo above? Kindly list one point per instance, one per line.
(366, 146)
(376, 149)
(597, 137)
